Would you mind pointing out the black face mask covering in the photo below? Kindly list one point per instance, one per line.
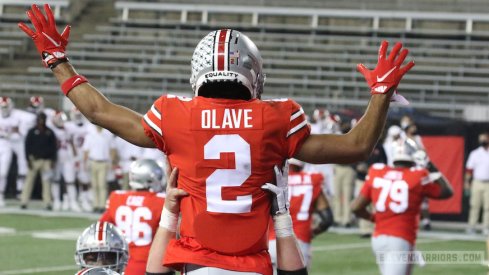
(484, 144)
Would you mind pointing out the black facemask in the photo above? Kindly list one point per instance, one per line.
(484, 143)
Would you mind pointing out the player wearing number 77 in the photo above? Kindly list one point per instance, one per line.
(225, 140)
(397, 193)
(137, 212)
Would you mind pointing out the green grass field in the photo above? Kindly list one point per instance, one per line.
(45, 245)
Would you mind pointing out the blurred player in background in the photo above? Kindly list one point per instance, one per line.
(64, 166)
(306, 199)
(225, 140)
(8, 126)
(137, 213)
(79, 128)
(397, 193)
(101, 245)
(26, 121)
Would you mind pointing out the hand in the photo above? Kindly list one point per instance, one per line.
(50, 44)
(173, 194)
(280, 201)
(388, 72)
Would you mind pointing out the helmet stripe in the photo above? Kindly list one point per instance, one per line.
(220, 50)
(100, 228)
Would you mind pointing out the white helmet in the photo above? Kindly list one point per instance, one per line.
(403, 151)
(76, 116)
(227, 55)
(36, 104)
(6, 106)
(102, 245)
(59, 119)
(146, 174)
(97, 271)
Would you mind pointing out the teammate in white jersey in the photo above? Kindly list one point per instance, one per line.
(64, 166)
(8, 126)
(79, 127)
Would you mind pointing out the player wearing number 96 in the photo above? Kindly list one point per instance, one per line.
(397, 193)
(137, 212)
(225, 140)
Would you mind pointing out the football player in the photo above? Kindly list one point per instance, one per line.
(8, 126)
(64, 166)
(137, 213)
(225, 140)
(102, 245)
(396, 194)
(79, 128)
(306, 200)
(26, 121)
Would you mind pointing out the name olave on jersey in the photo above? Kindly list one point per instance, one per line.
(227, 119)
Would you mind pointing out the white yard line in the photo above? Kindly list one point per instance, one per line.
(39, 270)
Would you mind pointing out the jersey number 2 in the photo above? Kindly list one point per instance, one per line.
(228, 177)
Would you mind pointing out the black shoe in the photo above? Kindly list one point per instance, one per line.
(365, 236)
(23, 206)
(49, 208)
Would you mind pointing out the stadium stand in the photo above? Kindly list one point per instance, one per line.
(310, 54)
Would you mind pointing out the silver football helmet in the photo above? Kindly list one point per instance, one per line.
(146, 174)
(6, 106)
(97, 271)
(102, 245)
(227, 55)
(403, 151)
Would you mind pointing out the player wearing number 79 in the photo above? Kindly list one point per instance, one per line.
(225, 140)
(137, 212)
(397, 193)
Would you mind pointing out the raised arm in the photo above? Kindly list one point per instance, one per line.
(357, 144)
(93, 104)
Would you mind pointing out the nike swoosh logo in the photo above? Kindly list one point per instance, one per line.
(380, 79)
(76, 80)
(57, 44)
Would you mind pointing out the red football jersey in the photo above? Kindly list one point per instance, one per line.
(304, 189)
(137, 214)
(397, 194)
(225, 151)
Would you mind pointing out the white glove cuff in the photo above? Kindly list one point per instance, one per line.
(168, 220)
(282, 224)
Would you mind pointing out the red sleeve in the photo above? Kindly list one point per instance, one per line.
(298, 130)
(152, 123)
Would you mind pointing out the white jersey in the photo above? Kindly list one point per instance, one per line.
(9, 126)
(78, 133)
(27, 121)
(65, 150)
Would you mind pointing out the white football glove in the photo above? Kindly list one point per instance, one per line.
(280, 191)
